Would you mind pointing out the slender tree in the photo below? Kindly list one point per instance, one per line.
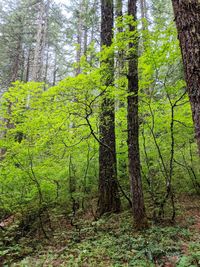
(109, 200)
(143, 9)
(187, 17)
(133, 129)
(41, 40)
(119, 14)
(79, 37)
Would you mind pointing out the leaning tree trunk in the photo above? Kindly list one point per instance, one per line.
(187, 17)
(109, 200)
(133, 129)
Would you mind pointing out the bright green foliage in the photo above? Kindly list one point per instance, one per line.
(54, 139)
(51, 143)
(167, 136)
(51, 124)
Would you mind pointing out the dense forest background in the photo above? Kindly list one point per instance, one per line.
(99, 133)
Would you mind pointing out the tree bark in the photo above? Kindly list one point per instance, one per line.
(41, 41)
(120, 56)
(133, 129)
(187, 18)
(119, 9)
(79, 14)
(109, 200)
(143, 8)
(15, 68)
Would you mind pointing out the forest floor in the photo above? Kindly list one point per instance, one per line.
(109, 241)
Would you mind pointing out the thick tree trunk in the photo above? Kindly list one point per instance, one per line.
(187, 17)
(109, 200)
(133, 131)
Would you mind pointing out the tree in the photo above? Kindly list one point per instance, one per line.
(143, 9)
(84, 29)
(11, 54)
(41, 40)
(187, 17)
(133, 127)
(119, 14)
(109, 200)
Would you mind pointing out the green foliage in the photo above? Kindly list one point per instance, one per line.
(193, 257)
(107, 242)
(47, 129)
(50, 138)
(42, 118)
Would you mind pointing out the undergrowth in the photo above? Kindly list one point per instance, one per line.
(110, 241)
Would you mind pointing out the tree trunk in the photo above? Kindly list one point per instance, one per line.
(187, 17)
(79, 14)
(85, 40)
(17, 60)
(41, 41)
(119, 9)
(143, 8)
(27, 65)
(46, 65)
(17, 57)
(120, 57)
(55, 69)
(109, 200)
(133, 130)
